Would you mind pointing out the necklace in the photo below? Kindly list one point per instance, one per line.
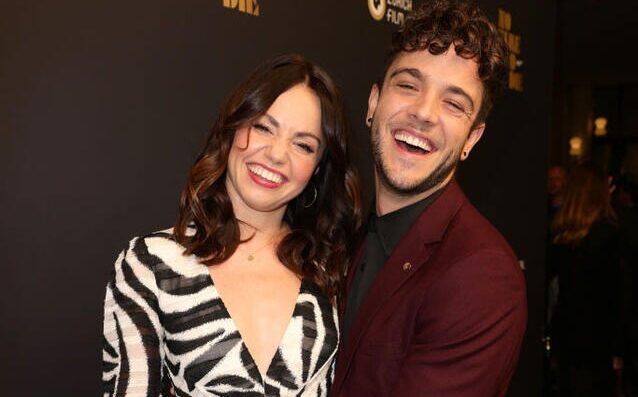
(252, 254)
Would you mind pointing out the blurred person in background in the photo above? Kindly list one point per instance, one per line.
(624, 202)
(584, 254)
(556, 177)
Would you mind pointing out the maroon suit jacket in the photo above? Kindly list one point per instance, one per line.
(445, 316)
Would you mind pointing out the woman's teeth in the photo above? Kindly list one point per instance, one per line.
(264, 173)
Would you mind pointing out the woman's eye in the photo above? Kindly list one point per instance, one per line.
(306, 147)
(261, 127)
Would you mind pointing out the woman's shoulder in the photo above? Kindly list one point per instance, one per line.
(158, 248)
(162, 240)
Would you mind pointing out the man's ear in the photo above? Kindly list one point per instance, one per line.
(373, 99)
(472, 139)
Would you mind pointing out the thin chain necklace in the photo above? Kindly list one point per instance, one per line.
(252, 254)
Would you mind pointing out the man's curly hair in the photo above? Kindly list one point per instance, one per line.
(438, 24)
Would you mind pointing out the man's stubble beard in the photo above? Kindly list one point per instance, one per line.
(435, 178)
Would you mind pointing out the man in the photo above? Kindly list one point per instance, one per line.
(436, 302)
(556, 178)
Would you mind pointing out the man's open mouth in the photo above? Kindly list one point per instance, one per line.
(412, 143)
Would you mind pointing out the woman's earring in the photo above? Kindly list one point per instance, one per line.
(369, 121)
(314, 198)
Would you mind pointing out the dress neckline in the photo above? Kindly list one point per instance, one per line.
(248, 355)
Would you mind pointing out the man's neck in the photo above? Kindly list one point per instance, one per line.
(389, 200)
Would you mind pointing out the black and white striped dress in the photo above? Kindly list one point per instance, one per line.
(163, 317)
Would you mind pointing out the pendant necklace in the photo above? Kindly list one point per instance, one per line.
(251, 255)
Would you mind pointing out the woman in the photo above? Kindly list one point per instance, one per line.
(584, 255)
(239, 297)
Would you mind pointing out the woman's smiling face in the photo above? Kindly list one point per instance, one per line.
(272, 159)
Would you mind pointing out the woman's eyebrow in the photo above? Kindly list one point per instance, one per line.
(304, 134)
(272, 120)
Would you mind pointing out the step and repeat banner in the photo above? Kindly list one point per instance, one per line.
(105, 104)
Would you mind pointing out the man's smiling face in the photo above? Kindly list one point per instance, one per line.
(423, 120)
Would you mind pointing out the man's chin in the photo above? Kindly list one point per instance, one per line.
(407, 190)
(402, 187)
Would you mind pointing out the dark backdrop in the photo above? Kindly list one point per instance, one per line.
(105, 104)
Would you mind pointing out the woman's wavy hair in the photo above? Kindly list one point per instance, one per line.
(587, 201)
(438, 24)
(318, 245)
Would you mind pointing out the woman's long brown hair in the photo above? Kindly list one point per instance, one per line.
(319, 244)
(587, 200)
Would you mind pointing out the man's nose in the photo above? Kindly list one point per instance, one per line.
(425, 108)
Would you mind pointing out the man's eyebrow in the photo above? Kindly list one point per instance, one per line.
(456, 90)
(416, 73)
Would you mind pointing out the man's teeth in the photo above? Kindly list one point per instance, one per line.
(413, 141)
(264, 173)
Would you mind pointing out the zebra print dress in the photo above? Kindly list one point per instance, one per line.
(165, 322)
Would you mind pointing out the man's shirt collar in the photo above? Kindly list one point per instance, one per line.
(391, 227)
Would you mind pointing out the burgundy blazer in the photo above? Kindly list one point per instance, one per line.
(445, 316)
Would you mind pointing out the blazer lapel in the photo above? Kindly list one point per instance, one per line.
(410, 255)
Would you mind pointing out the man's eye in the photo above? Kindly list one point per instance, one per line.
(406, 86)
(456, 106)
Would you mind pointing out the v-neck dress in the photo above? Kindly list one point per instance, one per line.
(164, 321)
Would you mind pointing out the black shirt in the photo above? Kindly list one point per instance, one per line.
(383, 235)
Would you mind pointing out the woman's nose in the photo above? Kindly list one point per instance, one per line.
(276, 150)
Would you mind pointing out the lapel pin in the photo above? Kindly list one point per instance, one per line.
(407, 266)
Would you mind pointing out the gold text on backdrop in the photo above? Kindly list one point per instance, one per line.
(247, 6)
(514, 43)
(392, 10)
